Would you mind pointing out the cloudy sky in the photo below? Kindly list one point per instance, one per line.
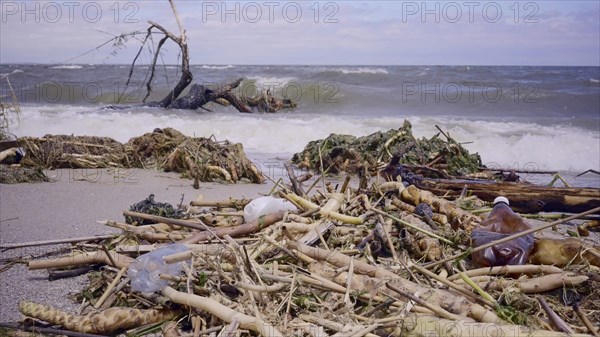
(310, 32)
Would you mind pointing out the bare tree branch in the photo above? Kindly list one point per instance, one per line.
(149, 83)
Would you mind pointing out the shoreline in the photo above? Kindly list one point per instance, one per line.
(70, 207)
(74, 200)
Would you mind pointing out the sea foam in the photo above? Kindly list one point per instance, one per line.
(501, 144)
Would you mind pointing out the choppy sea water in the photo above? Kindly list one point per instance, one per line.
(533, 118)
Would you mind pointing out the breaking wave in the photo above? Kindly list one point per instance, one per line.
(504, 144)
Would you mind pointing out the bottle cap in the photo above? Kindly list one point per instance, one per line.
(501, 199)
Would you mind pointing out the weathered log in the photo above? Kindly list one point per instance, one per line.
(200, 95)
(236, 231)
(525, 198)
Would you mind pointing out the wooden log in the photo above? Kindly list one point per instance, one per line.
(7, 144)
(82, 259)
(524, 198)
(200, 95)
(233, 203)
(236, 231)
(179, 222)
(55, 242)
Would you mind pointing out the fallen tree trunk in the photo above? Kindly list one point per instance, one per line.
(200, 95)
(525, 198)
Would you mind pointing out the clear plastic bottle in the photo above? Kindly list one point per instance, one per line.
(266, 205)
(502, 222)
(144, 272)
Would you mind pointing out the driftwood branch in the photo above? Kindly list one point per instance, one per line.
(186, 74)
(200, 95)
(153, 67)
(523, 198)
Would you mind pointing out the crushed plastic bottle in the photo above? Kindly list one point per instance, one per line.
(502, 222)
(144, 272)
(266, 205)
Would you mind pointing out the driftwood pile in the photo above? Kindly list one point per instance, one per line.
(203, 159)
(353, 262)
(436, 157)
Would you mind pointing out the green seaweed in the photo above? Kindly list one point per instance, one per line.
(149, 206)
(346, 153)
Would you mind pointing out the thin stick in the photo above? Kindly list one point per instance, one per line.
(407, 224)
(436, 309)
(388, 238)
(50, 331)
(450, 284)
(110, 288)
(477, 288)
(510, 269)
(289, 301)
(308, 205)
(55, 242)
(110, 258)
(514, 236)
(585, 320)
(556, 321)
(296, 186)
(345, 184)
(179, 222)
(349, 282)
(322, 176)
(379, 307)
(321, 238)
(516, 171)
(181, 30)
(235, 203)
(417, 281)
(57, 275)
(236, 231)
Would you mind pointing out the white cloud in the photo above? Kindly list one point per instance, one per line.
(366, 33)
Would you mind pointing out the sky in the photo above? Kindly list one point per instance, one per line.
(308, 32)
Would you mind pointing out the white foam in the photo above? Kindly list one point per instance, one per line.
(217, 67)
(513, 145)
(271, 81)
(362, 70)
(529, 146)
(67, 67)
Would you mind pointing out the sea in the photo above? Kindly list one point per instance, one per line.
(522, 118)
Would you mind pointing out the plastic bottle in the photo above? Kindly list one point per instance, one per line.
(502, 222)
(144, 272)
(266, 205)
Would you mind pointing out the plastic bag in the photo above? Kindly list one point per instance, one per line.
(144, 272)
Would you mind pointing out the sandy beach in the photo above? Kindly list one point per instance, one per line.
(69, 207)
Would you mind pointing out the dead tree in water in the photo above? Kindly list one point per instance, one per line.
(200, 95)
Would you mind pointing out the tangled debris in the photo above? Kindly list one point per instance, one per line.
(149, 206)
(17, 175)
(204, 159)
(344, 153)
(389, 260)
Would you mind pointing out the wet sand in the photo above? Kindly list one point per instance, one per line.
(69, 207)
